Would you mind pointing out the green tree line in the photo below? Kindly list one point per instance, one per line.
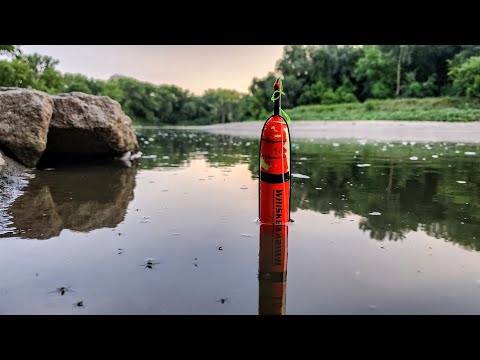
(321, 74)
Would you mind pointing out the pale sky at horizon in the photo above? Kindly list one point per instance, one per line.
(193, 67)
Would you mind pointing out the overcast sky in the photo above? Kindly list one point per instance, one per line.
(192, 67)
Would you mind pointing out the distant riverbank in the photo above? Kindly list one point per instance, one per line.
(446, 108)
(374, 130)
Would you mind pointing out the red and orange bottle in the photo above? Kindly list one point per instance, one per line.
(274, 172)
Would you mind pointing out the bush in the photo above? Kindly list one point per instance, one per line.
(466, 77)
(414, 88)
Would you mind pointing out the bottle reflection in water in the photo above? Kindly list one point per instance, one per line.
(272, 273)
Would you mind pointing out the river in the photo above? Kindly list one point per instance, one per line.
(379, 228)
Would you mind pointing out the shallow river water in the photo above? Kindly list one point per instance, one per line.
(379, 228)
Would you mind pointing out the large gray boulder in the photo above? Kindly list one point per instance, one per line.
(87, 124)
(24, 121)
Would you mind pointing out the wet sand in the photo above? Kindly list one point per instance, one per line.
(373, 130)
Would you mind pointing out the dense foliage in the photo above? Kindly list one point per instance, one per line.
(313, 75)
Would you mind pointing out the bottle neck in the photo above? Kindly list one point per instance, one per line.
(276, 106)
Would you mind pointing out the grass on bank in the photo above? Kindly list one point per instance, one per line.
(428, 109)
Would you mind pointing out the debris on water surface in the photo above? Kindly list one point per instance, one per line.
(300, 176)
(363, 165)
(461, 182)
(375, 213)
(136, 156)
(149, 156)
(318, 188)
(166, 157)
(246, 235)
(435, 156)
(223, 300)
(470, 153)
(243, 187)
(62, 290)
(413, 158)
(79, 304)
(220, 248)
(149, 264)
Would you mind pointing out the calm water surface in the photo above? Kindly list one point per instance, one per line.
(379, 229)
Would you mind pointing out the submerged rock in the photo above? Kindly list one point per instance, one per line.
(24, 121)
(90, 125)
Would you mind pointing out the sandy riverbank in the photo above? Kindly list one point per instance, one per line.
(372, 130)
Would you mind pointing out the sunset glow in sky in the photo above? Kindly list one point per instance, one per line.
(192, 67)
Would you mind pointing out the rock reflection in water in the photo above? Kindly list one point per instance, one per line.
(79, 198)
